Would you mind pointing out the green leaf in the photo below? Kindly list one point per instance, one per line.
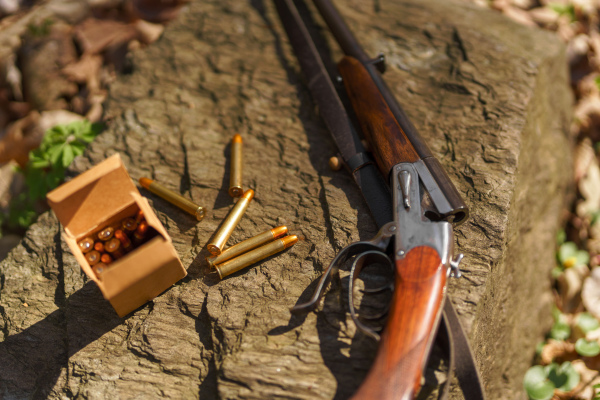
(55, 155)
(566, 251)
(561, 237)
(560, 331)
(587, 322)
(537, 385)
(570, 256)
(67, 155)
(572, 375)
(586, 348)
(583, 258)
(564, 9)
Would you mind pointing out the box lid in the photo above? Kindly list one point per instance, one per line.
(102, 190)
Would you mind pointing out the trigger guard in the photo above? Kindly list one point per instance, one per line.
(379, 243)
(368, 257)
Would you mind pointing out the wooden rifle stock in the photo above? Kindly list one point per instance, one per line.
(389, 143)
(414, 314)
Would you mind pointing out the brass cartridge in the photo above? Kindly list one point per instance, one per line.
(215, 247)
(235, 176)
(129, 225)
(238, 263)
(174, 198)
(247, 245)
(92, 257)
(99, 269)
(106, 233)
(113, 247)
(86, 244)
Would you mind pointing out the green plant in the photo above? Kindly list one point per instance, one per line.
(561, 330)
(596, 392)
(540, 382)
(47, 165)
(40, 30)
(587, 348)
(569, 255)
(564, 9)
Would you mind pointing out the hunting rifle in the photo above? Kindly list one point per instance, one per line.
(415, 238)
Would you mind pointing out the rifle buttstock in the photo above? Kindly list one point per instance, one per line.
(390, 144)
(419, 292)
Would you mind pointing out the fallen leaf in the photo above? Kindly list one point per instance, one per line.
(590, 293)
(557, 351)
(85, 70)
(95, 35)
(148, 32)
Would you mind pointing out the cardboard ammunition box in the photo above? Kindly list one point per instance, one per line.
(103, 196)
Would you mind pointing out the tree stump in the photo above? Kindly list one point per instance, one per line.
(490, 97)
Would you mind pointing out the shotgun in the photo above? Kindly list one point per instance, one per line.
(410, 196)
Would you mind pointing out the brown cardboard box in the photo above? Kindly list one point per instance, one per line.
(104, 195)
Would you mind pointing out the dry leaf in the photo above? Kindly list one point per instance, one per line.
(519, 15)
(85, 70)
(590, 293)
(557, 351)
(570, 283)
(148, 32)
(95, 35)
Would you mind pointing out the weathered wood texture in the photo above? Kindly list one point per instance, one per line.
(492, 98)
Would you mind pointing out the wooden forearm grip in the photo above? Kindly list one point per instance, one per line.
(389, 142)
(415, 311)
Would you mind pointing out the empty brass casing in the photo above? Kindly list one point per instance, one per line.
(249, 258)
(215, 247)
(247, 245)
(174, 198)
(235, 177)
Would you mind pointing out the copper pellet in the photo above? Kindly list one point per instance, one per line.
(86, 245)
(106, 258)
(93, 257)
(129, 225)
(106, 233)
(124, 239)
(140, 233)
(113, 246)
(139, 217)
(99, 246)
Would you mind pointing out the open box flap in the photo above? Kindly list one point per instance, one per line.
(87, 199)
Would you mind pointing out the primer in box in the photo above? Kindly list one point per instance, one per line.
(102, 196)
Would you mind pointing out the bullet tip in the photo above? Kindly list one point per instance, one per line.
(248, 194)
(237, 138)
(145, 182)
(289, 241)
(279, 231)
